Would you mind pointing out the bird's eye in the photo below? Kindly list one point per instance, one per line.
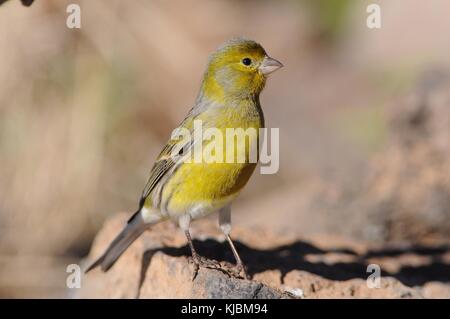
(246, 61)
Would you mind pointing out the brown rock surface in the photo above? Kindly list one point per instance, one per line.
(408, 192)
(281, 266)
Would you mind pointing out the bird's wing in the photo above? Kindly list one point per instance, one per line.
(165, 161)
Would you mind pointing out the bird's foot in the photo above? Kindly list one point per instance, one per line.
(241, 269)
(238, 271)
(200, 261)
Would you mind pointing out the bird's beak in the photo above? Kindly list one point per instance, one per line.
(269, 65)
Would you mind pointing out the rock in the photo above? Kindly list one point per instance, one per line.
(282, 266)
(317, 287)
(144, 272)
(436, 290)
(171, 277)
(404, 193)
(407, 194)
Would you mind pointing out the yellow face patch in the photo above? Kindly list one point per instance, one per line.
(233, 71)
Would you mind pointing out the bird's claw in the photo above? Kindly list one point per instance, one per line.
(238, 271)
(241, 269)
(200, 261)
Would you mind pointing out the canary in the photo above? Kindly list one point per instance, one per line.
(184, 190)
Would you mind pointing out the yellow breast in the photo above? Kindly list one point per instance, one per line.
(215, 184)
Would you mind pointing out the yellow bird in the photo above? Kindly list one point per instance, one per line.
(182, 188)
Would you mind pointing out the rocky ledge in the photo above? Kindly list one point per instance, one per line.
(281, 266)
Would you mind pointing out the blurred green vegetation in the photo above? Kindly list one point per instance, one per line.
(329, 18)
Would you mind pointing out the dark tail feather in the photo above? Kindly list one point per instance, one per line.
(127, 236)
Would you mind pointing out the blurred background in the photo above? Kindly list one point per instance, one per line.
(363, 115)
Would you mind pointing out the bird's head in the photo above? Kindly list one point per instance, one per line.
(237, 69)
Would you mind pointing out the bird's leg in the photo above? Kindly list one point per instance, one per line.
(225, 226)
(198, 260)
(240, 267)
(195, 256)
